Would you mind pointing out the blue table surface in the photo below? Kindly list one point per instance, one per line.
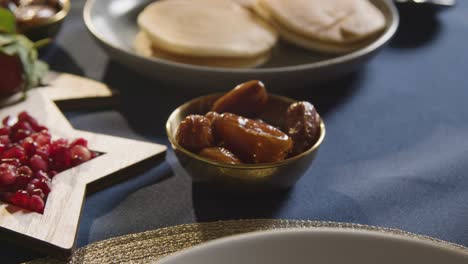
(396, 152)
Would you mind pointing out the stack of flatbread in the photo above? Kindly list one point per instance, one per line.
(205, 32)
(242, 33)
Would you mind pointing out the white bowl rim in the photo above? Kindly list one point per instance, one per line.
(380, 41)
(335, 228)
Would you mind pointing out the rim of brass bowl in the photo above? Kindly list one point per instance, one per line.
(65, 6)
(176, 145)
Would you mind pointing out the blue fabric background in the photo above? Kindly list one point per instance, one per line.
(396, 152)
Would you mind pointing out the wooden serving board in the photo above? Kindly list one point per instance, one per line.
(54, 232)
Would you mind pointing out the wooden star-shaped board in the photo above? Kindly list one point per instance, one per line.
(54, 232)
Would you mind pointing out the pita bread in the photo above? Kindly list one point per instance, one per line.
(206, 28)
(332, 21)
(145, 47)
(308, 43)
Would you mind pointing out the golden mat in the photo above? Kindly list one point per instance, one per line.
(335, 26)
(151, 246)
(206, 28)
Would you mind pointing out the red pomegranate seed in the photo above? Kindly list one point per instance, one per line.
(4, 139)
(20, 134)
(30, 188)
(29, 146)
(7, 174)
(52, 173)
(41, 175)
(9, 121)
(15, 152)
(42, 139)
(14, 162)
(20, 198)
(4, 131)
(79, 141)
(44, 152)
(25, 117)
(39, 193)
(36, 204)
(37, 163)
(42, 184)
(80, 154)
(25, 171)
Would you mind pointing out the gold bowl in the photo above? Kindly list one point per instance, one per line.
(48, 28)
(245, 178)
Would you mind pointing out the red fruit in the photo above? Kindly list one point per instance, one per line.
(79, 141)
(14, 162)
(7, 174)
(39, 193)
(4, 131)
(42, 138)
(44, 152)
(80, 154)
(41, 175)
(36, 204)
(29, 146)
(12, 74)
(4, 140)
(16, 152)
(25, 117)
(37, 163)
(20, 198)
(24, 171)
(44, 185)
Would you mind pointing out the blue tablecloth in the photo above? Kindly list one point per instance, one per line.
(396, 152)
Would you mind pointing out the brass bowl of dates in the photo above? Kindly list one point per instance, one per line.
(246, 140)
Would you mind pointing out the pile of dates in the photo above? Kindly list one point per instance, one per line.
(230, 132)
(30, 159)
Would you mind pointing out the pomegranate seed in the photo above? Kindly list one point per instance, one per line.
(24, 171)
(44, 152)
(4, 131)
(39, 193)
(20, 198)
(42, 139)
(2, 149)
(44, 185)
(41, 175)
(61, 158)
(30, 188)
(14, 162)
(4, 139)
(79, 141)
(9, 121)
(25, 117)
(20, 134)
(37, 163)
(16, 152)
(36, 204)
(80, 154)
(7, 174)
(29, 146)
(52, 173)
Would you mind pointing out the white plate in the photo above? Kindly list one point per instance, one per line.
(323, 246)
(113, 24)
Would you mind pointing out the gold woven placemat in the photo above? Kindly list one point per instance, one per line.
(150, 246)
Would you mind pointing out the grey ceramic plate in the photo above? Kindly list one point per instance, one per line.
(322, 246)
(113, 24)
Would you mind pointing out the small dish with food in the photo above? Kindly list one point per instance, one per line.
(246, 140)
(38, 19)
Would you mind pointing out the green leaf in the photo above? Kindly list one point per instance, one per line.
(7, 21)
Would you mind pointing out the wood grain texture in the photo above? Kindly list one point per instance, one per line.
(54, 232)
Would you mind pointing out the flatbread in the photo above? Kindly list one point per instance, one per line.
(145, 47)
(308, 43)
(331, 21)
(206, 28)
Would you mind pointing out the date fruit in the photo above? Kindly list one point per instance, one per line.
(247, 99)
(220, 155)
(195, 133)
(252, 141)
(302, 125)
